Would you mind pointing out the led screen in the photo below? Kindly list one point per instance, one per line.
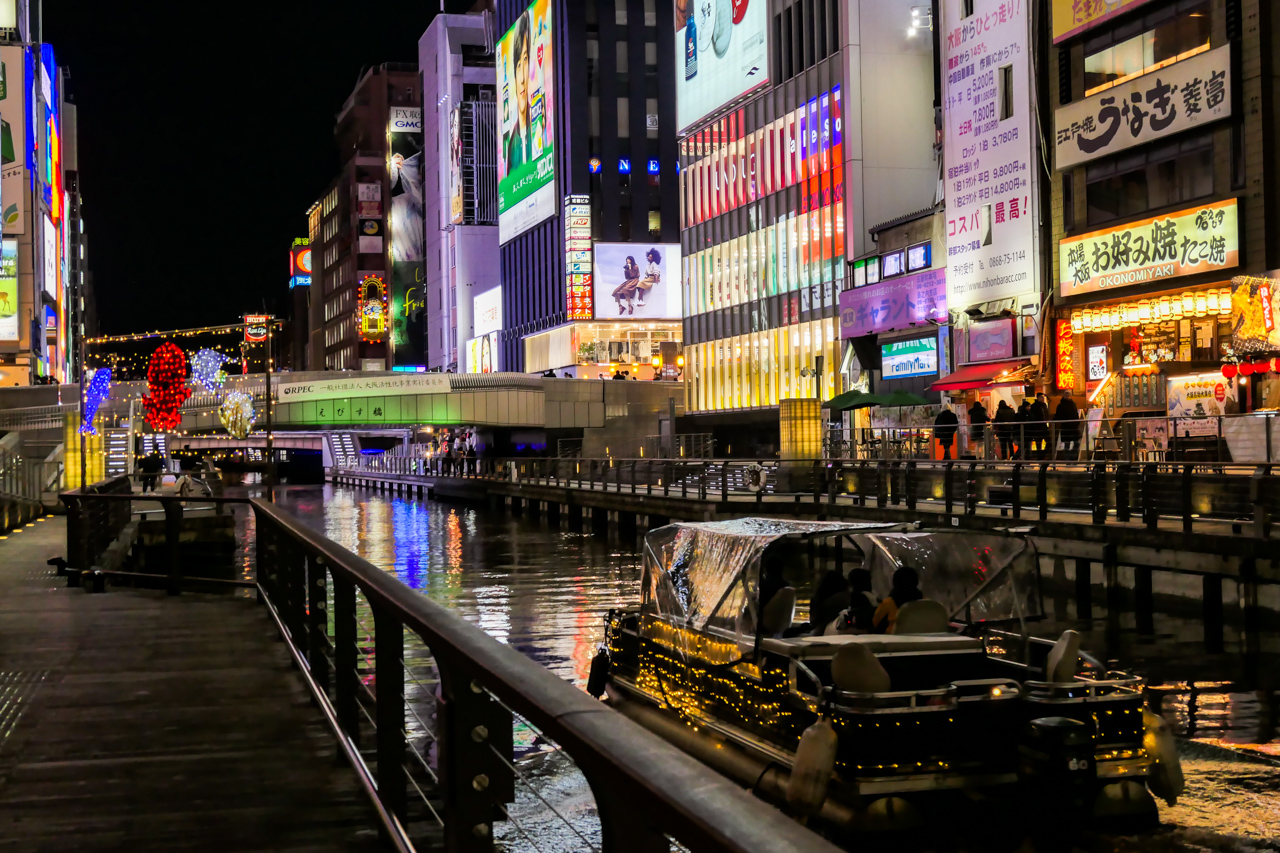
(722, 52)
(526, 104)
(909, 358)
(638, 281)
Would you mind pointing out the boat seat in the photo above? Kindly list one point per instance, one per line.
(924, 616)
(1064, 658)
(827, 646)
(854, 668)
(780, 612)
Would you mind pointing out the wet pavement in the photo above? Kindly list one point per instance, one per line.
(545, 592)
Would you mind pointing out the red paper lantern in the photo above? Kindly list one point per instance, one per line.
(167, 387)
(1275, 365)
(1262, 366)
(1229, 371)
(1246, 369)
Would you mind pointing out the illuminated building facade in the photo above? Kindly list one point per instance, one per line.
(368, 223)
(1153, 218)
(778, 187)
(610, 123)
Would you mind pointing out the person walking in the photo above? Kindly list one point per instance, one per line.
(978, 420)
(1038, 427)
(945, 427)
(1021, 433)
(1067, 416)
(1005, 420)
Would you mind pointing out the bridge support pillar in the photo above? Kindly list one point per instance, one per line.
(1143, 600)
(599, 522)
(553, 513)
(627, 528)
(1211, 600)
(517, 506)
(535, 509)
(1084, 589)
(575, 518)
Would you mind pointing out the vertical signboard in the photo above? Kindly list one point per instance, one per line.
(577, 245)
(526, 98)
(9, 302)
(455, 165)
(13, 125)
(988, 151)
(406, 234)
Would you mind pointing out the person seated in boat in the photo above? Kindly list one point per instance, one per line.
(906, 587)
(777, 596)
(830, 598)
(856, 617)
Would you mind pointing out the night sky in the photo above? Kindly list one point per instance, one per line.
(205, 132)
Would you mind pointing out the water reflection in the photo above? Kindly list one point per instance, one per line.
(542, 591)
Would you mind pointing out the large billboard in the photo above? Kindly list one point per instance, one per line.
(13, 137)
(526, 97)
(1072, 17)
(1186, 242)
(722, 52)
(1175, 98)
(455, 165)
(638, 281)
(988, 150)
(482, 354)
(405, 225)
(9, 326)
(486, 311)
(300, 264)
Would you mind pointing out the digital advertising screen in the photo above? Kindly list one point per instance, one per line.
(722, 52)
(638, 281)
(9, 330)
(482, 354)
(526, 113)
(13, 136)
(904, 359)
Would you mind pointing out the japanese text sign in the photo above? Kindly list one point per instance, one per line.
(1066, 379)
(1075, 16)
(992, 340)
(1172, 99)
(577, 244)
(990, 167)
(1255, 314)
(1198, 240)
(894, 304)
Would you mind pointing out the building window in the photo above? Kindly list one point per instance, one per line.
(1153, 41)
(1006, 92)
(1158, 177)
(1069, 201)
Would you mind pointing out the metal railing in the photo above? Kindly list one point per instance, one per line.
(450, 731)
(1101, 491)
(26, 479)
(1250, 439)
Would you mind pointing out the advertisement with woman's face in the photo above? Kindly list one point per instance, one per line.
(637, 281)
(526, 162)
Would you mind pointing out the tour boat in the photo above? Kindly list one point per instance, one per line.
(863, 731)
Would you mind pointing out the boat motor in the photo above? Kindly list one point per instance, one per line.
(1057, 771)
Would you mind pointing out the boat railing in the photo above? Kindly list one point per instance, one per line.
(1116, 685)
(893, 702)
(984, 689)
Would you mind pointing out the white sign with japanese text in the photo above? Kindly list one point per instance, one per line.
(1169, 100)
(363, 386)
(1187, 242)
(989, 151)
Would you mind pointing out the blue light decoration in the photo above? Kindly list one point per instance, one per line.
(624, 166)
(593, 165)
(97, 392)
(206, 369)
(237, 414)
(653, 167)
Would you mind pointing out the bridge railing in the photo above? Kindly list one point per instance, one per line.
(456, 738)
(1099, 491)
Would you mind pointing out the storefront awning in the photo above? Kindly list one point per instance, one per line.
(985, 375)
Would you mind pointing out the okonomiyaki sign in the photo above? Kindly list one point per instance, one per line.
(1197, 240)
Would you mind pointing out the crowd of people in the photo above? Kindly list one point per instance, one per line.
(1024, 433)
(840, 603)
(456, 453)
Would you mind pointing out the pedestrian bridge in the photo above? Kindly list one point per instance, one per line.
(372, 399)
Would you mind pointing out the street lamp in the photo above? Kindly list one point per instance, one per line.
(921, 19)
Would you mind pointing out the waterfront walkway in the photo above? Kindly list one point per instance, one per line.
(133, 721)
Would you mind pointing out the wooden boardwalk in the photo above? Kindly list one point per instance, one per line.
(132, 721)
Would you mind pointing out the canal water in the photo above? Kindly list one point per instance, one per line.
(545, 591)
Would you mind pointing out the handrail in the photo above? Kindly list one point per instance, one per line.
(652, 785)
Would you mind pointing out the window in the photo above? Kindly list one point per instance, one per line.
(966, 8)
(1153, 41)
(1161, 176)
(1069, 201)
(1006, 92)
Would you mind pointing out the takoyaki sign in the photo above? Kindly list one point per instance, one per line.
(1197, 402)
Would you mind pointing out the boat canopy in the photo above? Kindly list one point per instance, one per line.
(696, 570)
(707, 575)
